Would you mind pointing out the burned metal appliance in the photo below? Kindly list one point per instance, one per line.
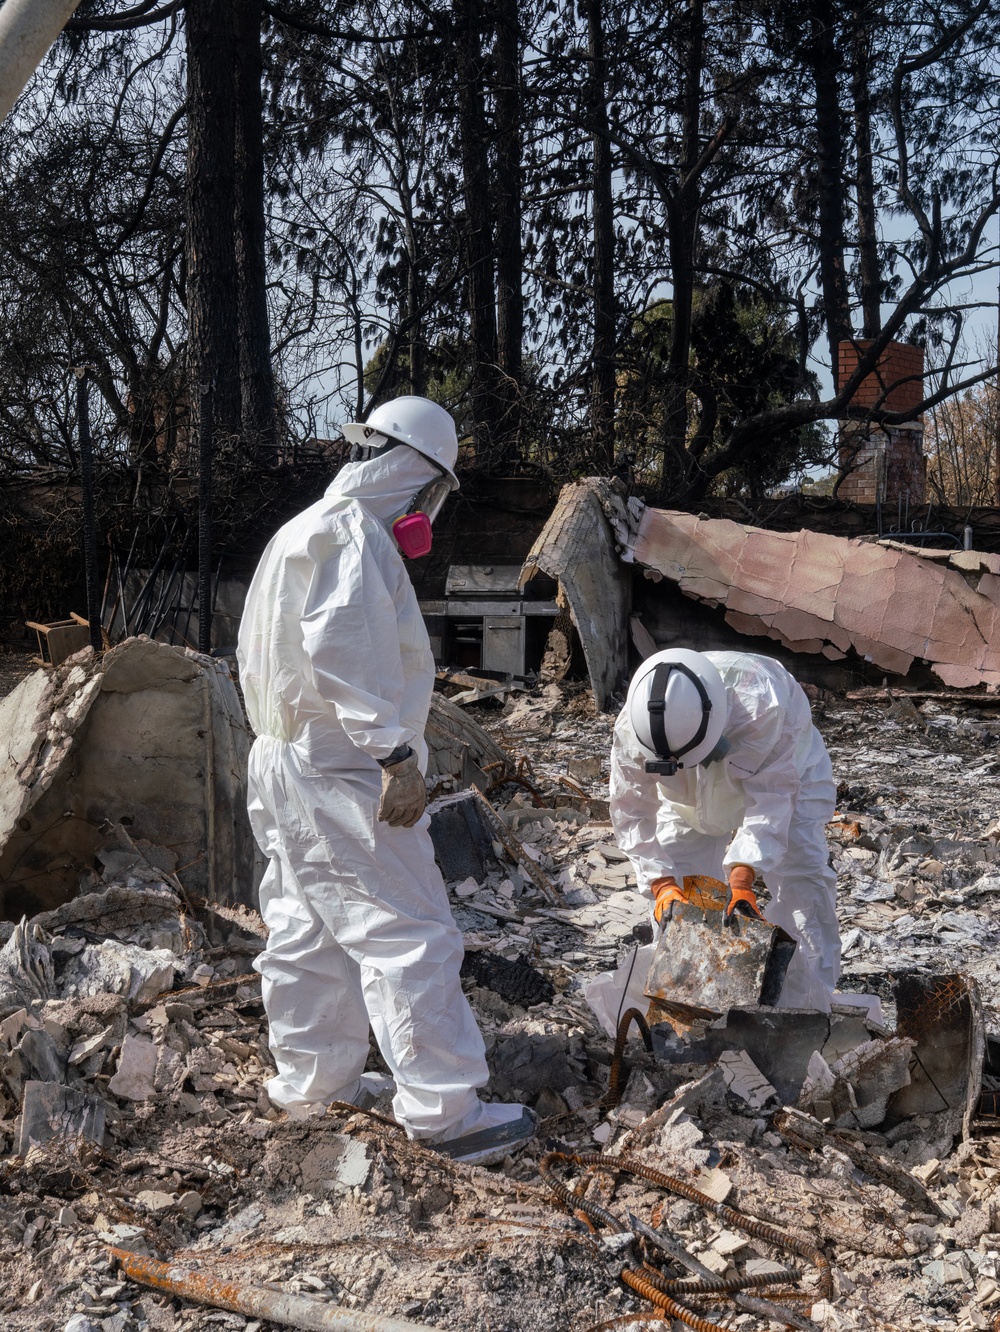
(485, 620)
(703, 966)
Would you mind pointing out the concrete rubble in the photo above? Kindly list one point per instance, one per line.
(133, 1056)
(146, 736)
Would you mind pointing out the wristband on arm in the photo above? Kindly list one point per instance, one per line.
(400, 753)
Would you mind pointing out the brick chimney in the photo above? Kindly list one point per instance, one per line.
(888, 461)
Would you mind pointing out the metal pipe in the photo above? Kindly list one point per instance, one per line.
(614, 1093)
(299, 1311)
(27, 30)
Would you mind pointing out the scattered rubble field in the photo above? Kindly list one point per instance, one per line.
(135, 1127)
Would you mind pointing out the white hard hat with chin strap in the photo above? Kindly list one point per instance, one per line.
(422, 424)
(677, 706)
(426, 428)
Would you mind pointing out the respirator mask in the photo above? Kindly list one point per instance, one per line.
(412, 529)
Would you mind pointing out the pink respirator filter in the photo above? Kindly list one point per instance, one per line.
(413, 535)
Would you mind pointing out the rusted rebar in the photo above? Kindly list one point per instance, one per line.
(716, 1285)
(512, 780)
(623, 1320)
(614, 1093)
(750, 1304)
(575, 1202)
(298, 1311)
(661, 1290)
(639, 1281)
(748, 1224)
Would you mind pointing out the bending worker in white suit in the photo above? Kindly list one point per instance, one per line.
(716, 768)
(337, 673)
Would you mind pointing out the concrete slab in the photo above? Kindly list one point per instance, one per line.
(148, 735)
(780, 1041)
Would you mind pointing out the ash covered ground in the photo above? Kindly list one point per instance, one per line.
(142, 1004)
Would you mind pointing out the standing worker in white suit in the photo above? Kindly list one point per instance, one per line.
(337, 673)
(716, 768)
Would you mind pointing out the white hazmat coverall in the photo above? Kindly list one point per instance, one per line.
(765, 804)
(337, 672)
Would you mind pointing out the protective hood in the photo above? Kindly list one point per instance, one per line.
(384, 485)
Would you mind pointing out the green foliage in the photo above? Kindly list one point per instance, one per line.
(743, 362)
(447, 369)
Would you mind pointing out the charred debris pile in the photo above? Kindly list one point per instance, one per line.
(755, 1169)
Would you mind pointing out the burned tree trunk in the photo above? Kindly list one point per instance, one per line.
(683, 234)
(212, 282)
(825, 62)
(257, 414)
(211, 207)
(869, 274)
(602, 389)
(510, 297)
(478, 231)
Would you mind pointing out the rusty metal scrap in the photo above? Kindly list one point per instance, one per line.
(648, 1282)
(614, 1093)
(512, 780)
(943, 1015)
(708, 965)
(643, 1285)
(660, 1290)
(715, 1287)
(300, 1311)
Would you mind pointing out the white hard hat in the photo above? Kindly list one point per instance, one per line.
(677, 706)
(422, 424)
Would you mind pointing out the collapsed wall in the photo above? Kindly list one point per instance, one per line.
(577, 547)
(821, 598)
(147, 736)
(890, 604)
(152, 738)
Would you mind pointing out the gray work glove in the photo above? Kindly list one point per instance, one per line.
(404, 794)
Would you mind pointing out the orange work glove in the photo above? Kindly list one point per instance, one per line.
(667, 892)
(742, 897)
